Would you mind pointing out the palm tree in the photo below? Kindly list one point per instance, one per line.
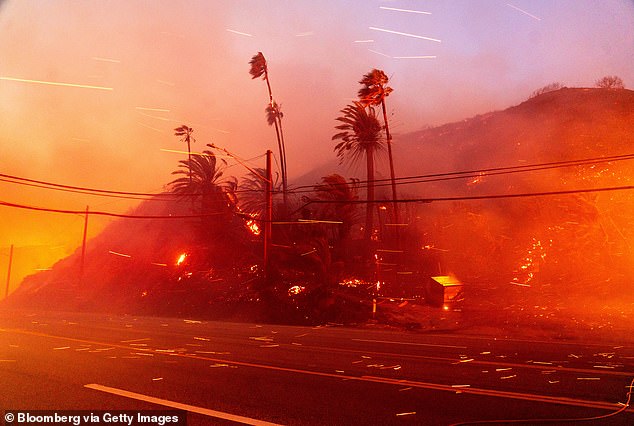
(373, 93)
(253, 189)
(335, 188)
(201, 178)
(360, 137)
(274, 116)
(186, 132)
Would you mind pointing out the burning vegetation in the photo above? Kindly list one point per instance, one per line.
(542, 230)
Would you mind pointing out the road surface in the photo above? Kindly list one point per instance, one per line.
(232, 373)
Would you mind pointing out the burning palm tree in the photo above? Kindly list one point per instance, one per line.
(253, 189)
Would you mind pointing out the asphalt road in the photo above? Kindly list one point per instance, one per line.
(303, 375)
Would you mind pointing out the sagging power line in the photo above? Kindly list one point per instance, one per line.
(405, 180)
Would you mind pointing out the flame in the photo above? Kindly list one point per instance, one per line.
(296, 289)
(253, 227)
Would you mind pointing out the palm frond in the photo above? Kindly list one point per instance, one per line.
(273, 112)
(360, 135)
(258, 66)
(375, 88)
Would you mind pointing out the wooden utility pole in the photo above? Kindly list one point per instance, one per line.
(83, 248)
(268, 215)
(6, 291)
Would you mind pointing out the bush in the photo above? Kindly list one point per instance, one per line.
(548, 88)
(610, 82)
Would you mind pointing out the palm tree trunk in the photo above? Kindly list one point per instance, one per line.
(285, 172)
(189, 160)
(369, 223)
(189, 163)
(280, 141)
(389, 154)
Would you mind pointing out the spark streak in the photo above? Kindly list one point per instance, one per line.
(240, 33)
(364, 41)
(118, 254)
(524, 12)
(404, 10)
(150, 127)
(414, 57)
(114, 61)
(152, 109)
(379, 53)
(178, 151)
(56, 83)
(405, 34)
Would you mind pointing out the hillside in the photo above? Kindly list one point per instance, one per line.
(561, 125)
(535, 255)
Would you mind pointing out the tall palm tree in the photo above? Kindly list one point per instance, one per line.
(360, 137)
(373, 93)
(186, 132)
(274, 116)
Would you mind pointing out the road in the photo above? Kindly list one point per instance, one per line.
(229, 373)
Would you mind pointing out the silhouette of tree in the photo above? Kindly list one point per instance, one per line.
(360, 137)
(186, 132)
(610, 82)
(201, 179)
(253, 189)
(258, 69)
(335, 188)
(373, 93)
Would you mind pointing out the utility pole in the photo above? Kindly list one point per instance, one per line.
(6, 291)
(268, 215)
(83, 248)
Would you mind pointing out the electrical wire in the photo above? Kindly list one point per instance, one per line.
(409, 200)
(472, 197)
(102, 213)
(71, 188)
(406, 180)
(436, 177)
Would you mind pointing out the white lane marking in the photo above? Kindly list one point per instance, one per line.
(409, 343)
(179, 406)
(432, 386)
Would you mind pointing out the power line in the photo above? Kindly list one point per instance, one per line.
(101, 213)
(435, 177)
(406, 200)
(473, 197)
(405, 180)
(87, 191)
(71, 188)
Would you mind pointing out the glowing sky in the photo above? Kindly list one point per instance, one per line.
(131, 71)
